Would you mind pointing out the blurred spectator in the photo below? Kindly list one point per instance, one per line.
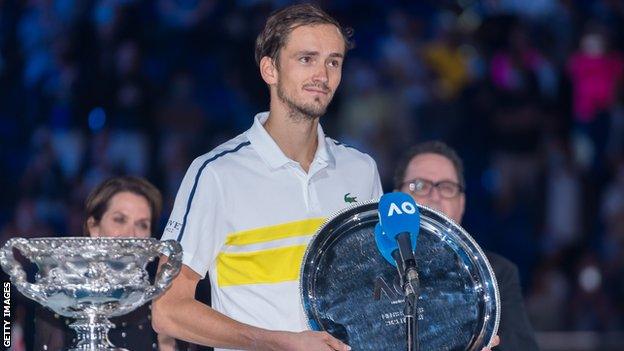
(590, 306)
(522, 69)
(447, 61)
(184, 14)
(595, 72)
(563, 200)
(181, 121)
(369, 113)
(127, 148)
(547, 302)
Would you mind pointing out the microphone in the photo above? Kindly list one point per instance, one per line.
(396, 234)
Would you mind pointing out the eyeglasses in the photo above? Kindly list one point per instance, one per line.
(422, 187)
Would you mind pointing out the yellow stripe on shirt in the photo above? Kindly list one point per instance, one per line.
(260, 267)
(304, 227)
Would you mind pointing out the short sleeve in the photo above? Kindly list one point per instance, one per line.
(377, 189)
(197, 221)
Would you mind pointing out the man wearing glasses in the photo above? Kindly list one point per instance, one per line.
(433, 174)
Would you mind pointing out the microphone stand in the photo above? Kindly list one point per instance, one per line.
(411, 312)
(409, 282)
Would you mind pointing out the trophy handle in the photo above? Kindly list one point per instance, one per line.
(169, 270)
(15, 270)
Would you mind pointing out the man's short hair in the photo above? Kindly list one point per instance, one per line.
(429, 147)
(281, 23)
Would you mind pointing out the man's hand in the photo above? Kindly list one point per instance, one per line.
(495, 342)
(309, 341)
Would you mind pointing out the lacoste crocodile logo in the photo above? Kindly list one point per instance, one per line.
(350, 199)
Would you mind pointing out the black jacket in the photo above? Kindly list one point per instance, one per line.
(133, 331)
(514, 330)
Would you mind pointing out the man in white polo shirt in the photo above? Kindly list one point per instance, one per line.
(246, 211)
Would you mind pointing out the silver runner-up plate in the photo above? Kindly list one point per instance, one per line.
(349, 290)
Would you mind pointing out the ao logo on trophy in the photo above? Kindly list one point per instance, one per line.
(406, 207)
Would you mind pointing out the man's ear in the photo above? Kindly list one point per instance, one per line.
(268, 71)
(462, 203)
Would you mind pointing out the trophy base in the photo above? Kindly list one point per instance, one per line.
(92, 334)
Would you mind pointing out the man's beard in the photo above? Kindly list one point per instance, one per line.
(303, 111)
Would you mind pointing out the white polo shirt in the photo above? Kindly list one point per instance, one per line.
(245, 213)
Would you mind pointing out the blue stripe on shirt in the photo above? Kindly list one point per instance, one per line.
(190, 200)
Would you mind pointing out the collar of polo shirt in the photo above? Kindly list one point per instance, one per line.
(271, 152)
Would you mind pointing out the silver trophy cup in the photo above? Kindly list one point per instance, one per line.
(91, 279)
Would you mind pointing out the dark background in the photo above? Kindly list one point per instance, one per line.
(529, 92)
